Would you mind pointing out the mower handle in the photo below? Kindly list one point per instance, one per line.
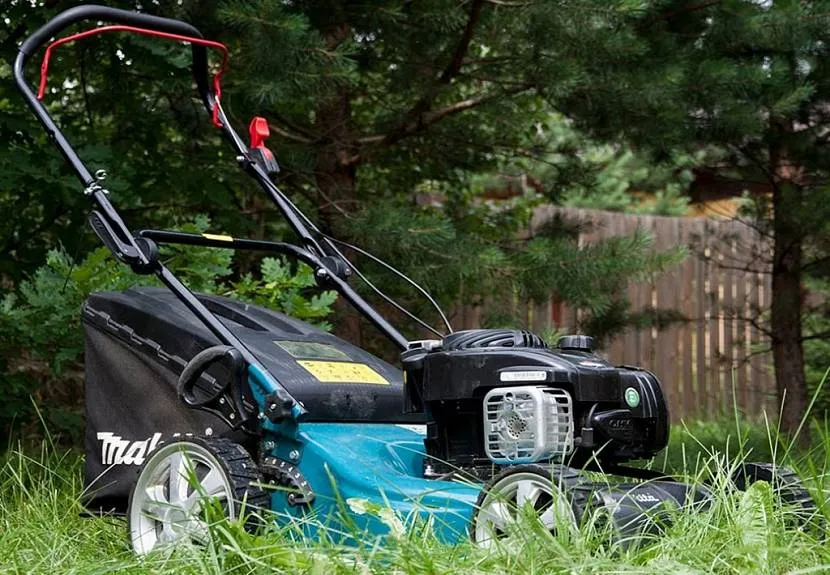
(104, 13)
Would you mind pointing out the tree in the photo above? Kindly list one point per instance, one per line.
(751, 78)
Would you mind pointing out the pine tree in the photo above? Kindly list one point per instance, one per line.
(753, 79)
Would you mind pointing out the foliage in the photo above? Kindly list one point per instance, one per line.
(581, 172)
(749, 79)
(41, 323)
(285, 290)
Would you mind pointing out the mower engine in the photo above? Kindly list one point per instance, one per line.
(502, 397)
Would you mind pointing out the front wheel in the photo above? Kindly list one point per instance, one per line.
(171, 498)
(546, 492)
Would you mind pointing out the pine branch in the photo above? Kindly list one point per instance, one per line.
(681, 11)
(510, 4)
(295, 127)
(417, 112)
(288, 135)
(426, 119)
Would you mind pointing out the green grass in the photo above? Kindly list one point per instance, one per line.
(41, 530)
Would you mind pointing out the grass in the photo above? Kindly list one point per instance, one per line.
(743, 532)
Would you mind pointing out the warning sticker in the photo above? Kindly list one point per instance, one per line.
(343, 372)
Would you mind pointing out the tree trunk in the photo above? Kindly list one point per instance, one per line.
(334, 177)
(788, 354)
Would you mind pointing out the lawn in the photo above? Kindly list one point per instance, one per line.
(41, 530)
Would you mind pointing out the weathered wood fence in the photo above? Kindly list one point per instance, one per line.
(717, 357)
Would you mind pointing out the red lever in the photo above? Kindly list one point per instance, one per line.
(259, 132)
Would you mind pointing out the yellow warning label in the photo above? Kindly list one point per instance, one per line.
(343, 372)
(218, 237)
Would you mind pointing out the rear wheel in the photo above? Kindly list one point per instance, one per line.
(179, 482)
(547, 492)
(787, 486)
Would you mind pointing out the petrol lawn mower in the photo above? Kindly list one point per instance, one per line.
(193, 398)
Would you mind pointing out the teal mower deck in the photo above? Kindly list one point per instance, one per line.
(194, 400)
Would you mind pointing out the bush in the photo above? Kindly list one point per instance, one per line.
(41, 341)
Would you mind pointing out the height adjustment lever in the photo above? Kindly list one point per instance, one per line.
(259, 152)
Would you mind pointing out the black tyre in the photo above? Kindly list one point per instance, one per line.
(169, 501)
(788, 487)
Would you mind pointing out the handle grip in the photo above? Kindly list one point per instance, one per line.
(104, 13)
(199, 364)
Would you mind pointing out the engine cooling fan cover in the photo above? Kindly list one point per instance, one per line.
(527, 424)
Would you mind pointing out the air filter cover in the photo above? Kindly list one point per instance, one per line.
(527, 424)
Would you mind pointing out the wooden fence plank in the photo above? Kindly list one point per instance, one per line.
(702, 340)
(727, 322)
(687, 336)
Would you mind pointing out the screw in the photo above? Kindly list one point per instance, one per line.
(221, 401)
(273, 407)
(231, 416)
(294, 455)
(269, 445)
(209, 431)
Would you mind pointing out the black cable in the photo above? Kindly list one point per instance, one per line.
(392, 302)
(396, 305)
(398, 273)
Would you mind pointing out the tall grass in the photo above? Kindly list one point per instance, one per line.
(42, 531)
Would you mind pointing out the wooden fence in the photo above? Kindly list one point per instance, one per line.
(717, 357)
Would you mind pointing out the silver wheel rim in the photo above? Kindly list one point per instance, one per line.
(167, 504)
(505, 500)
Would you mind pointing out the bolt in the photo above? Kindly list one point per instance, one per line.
(294, 455)
(231, 416)
(209, 431)
(269, 445)
(221, 401)
(273, 407)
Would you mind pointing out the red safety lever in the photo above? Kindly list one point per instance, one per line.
(217, 89)
(259, 152)
(259, 132)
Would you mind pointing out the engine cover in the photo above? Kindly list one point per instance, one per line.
(619, 412)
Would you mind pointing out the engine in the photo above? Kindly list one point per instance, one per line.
(501, 397)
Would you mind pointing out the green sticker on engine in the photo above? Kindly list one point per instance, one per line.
(632, 397)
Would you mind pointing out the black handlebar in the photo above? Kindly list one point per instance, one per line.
(116, 16)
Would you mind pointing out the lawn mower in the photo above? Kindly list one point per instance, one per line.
(194, 398)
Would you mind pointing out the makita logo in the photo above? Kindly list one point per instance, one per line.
(117, 451)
